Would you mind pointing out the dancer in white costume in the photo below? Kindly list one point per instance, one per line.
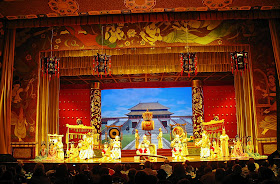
(116, 151)
(204, 143)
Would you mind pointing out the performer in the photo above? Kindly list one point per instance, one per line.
(73, 152)
(204, 143)
(215, 150)
(249, 149)
(159, 138)
(146, 141)
(185, 141)
(116, 151)
(224, 144)
(106, 152)
(60, 151)
(136, 139)
(176, 148)
(85, 147)
(52, 153)
(237, 148)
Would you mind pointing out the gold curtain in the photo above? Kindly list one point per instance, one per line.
(245, 106)
(47, 108)
(42, 111)
(53, 105)
(146, 63)
(146, 50)
(6, 92)
(274, 25)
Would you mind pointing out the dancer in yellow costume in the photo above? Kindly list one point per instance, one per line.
(136, 139)
(185, 141)
(59, 147)
(159, 137)
(224, 144)
(204, 143)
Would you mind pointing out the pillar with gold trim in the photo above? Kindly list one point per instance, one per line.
(197, 107)
(95, 111)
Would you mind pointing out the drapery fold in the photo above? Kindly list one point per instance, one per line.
(274, 25)
(146, 63)
(141, 17)
(47, 108)
(54, 85)
(245, 106)
(6, 91)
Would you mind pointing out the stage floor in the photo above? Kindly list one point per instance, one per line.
(132, 160)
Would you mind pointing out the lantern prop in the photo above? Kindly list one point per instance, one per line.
(50, 66)
(188, 63)
(101, 64)
(239, 61)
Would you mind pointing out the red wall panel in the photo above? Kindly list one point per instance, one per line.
(73, 104)
(220, 101)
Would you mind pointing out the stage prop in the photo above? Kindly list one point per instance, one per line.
(113, 131)
(214, 127)
(148, 124)
(239, 61)
(95, 107)
(87, 133)
(197, 107)
(101, 64)
(50, 66)
(188, 63)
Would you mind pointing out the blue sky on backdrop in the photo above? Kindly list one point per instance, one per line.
(116, 102)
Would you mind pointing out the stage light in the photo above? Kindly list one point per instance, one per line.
(239, 61)
(188, 63)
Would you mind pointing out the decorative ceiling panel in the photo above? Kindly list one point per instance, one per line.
(24, 9)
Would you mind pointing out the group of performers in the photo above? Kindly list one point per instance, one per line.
(54, 152)
(218, 148)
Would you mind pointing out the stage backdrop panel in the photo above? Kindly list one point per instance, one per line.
(220, 101)
(73, 104)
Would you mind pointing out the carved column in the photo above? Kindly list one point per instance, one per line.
(95, 106)
(197, 107)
